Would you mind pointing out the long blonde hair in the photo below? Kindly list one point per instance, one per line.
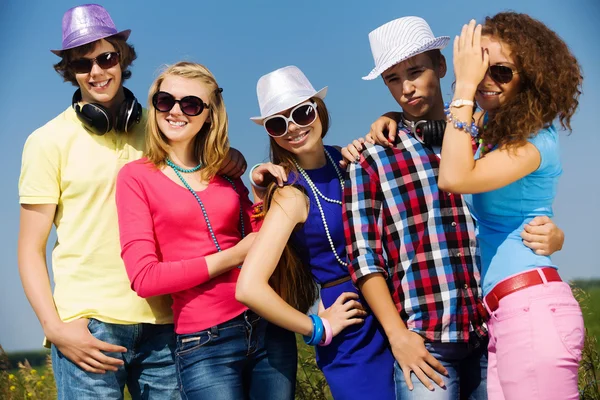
(211, 144)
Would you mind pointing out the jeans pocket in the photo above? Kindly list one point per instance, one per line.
(92, 323)
(568, 322)
(193, 341)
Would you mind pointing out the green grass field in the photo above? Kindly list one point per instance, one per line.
(591, 307)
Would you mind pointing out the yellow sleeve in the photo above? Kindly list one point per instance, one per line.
(39, 182)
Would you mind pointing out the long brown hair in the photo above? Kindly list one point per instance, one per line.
(292, 280)
(550, 79)
(211, 144)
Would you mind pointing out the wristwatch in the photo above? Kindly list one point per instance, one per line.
(461, 102)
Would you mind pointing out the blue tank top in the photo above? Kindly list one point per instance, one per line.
(310, 239)
(502, 213)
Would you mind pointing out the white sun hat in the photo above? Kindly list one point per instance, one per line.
(282, 89)
(399, 40)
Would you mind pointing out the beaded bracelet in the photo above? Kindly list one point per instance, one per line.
(328, 336)
(471, 128)
(317, 333)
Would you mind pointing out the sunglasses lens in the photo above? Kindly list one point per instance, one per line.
(104, 61)
(276, 126)
(107, 60)
(501, 73)
(304, 115)
(191, 105)
(81, 66)
(163, 101)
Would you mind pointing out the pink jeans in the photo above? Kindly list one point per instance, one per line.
(536, 338)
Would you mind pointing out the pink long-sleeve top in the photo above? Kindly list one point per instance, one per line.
(165, 238)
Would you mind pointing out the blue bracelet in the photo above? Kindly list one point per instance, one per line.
(471, 128)
(317, 333)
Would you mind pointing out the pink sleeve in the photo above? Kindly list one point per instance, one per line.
(148, 276)
(250, 224)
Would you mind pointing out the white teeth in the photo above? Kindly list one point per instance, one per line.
(100, 84)
(298, 138)
(489, 93)
(177, 123)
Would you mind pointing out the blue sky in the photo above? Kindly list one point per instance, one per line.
(239, 42)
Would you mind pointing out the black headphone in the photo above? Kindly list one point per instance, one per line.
(99, 120)
(428, 132)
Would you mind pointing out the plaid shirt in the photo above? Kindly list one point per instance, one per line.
(400, 224)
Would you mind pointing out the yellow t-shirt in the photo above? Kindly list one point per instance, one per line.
(66, 165)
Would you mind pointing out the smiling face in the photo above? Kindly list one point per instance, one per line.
(415, 84)
(176, 126)
(299, 140)
(100, 85)
(490, 94)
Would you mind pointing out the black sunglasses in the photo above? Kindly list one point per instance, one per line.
(104, 61)
(501, 73)
(189, 105)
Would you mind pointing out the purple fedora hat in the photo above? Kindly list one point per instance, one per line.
(85, 24)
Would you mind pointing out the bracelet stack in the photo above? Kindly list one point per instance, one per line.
(328, 336)
(318, 331)
(471, 128)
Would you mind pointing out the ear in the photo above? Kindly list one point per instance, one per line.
(442, 67)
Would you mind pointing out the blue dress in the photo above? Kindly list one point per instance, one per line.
(358, 364)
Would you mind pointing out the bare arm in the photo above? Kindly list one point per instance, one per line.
(73, 339)
(289, 208)
(460, 173)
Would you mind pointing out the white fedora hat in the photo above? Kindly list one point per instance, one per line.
(399, 40)
(282, 89)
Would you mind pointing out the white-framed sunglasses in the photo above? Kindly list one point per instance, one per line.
(302, 115)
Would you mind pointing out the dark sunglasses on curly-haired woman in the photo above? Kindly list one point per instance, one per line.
(501, 73)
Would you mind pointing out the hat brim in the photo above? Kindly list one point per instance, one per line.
(92, 38)
(320, 94)
(393, 59)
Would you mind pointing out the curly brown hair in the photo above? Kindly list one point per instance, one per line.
(550, 79)
(126, 57)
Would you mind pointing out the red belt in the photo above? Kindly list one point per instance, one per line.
(518, 282)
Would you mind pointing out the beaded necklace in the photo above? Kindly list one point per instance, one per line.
(484, 148)
(317, 193)
(178, 170)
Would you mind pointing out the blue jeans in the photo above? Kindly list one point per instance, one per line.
(467, 368)
(149, 370)
(243, 358)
